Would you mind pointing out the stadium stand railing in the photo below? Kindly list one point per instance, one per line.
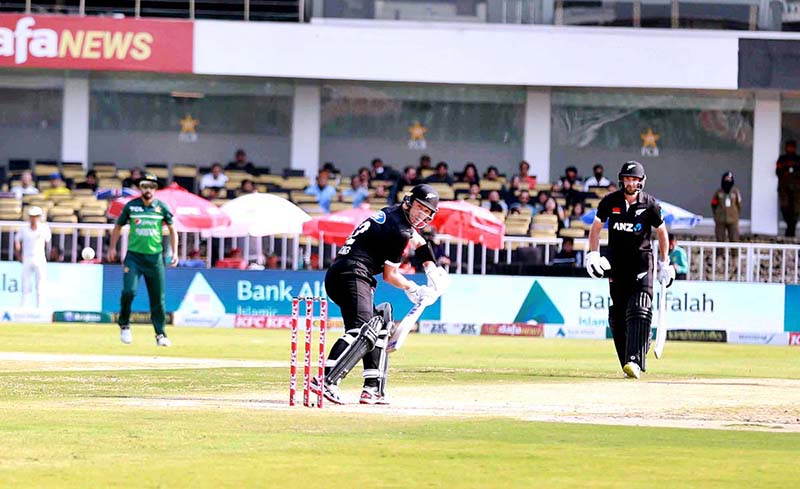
(708, 261)
(255, 10)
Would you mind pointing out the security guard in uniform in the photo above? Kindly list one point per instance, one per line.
(632, 215)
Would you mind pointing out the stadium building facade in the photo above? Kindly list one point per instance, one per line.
(688, 103)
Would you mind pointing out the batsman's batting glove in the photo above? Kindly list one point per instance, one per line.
(421, 293)
(438, 278)
(666, 273)
(597, 265)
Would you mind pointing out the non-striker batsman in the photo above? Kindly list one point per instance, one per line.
(632, 215)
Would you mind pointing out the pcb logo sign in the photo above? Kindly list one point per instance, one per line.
(794, 339)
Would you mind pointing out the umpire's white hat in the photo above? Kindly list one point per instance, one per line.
(34, 211)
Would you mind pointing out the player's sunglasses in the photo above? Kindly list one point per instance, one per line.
(148, 186)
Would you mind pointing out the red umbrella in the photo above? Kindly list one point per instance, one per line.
(468, 221)
(337, 226)
(191, 212)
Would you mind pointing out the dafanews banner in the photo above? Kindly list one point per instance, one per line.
(578, 308)
(96, 43)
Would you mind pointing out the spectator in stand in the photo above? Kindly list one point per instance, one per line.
(551, 207)
(380, 171)
(25, 186)
(212, 183)
(571, 176)
(524, 176)
(366, 176)
(513, 189)
(492, 174)
(576, 214)
(470, 174)
(333, 173)
(272, 262)
(572, 195)
(678, 258)
(474, 194)
(409, 178)
(567, 256)
(357, 192)
(494, 203)
(541, 200)
(322, 190)
(787, 168)
(58, 187)
(55, 255)
(90, 183)
(193, 260)
(523, 203)
(240, 163)
(441, 174)
(727, 206)
(132, 181)
(424, 165)
(247, 187)
(597, 179)
(612, 187)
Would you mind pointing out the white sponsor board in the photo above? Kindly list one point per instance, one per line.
(424, 52)
(583, 303)
(579, 332)
(202, 307)
(438, 327)
(68, 287)
(26, 315)
(781, 339)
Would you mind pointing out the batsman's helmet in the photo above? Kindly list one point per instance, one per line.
(428, 197)
(632, 169)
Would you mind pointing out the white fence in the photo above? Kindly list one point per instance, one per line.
(708, 261)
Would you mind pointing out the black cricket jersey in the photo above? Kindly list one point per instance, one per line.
(630, 228)
(381, 238)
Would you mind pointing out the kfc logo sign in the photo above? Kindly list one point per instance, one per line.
(66, 42)
(794, 339)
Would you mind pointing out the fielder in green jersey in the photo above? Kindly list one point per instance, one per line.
(146, 217)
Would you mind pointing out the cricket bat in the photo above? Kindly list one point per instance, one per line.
(400, 332)
(661, 327)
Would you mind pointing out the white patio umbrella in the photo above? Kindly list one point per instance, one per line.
(260, 215)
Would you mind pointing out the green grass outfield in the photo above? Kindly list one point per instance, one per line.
(85, 427)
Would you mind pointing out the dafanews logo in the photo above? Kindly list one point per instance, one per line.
(71, 42)
(537, 308)
(26, 41)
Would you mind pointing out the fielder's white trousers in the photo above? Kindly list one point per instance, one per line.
(30, 271)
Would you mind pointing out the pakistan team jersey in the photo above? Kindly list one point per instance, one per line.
(146, 223)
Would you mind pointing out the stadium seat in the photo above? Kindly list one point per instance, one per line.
(572, 233)
(487, 185)
(104, 169)
(161, 170)
(72, 169)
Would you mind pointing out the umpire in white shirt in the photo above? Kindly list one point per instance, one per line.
(29, 245)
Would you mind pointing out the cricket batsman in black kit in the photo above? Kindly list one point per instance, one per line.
(631, 215)
(376, 246)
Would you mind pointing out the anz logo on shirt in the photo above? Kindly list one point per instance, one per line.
(627, 227)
